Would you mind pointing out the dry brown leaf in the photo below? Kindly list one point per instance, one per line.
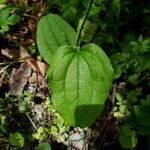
(38, 67)
(18, 79)
(15, 54)
(42, 67)
(33, 78)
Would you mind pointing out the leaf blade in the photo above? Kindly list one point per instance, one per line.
(53, 32)
(16, 139)
(44, 146)
(78, 83)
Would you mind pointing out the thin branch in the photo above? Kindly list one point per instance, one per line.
(32, 122)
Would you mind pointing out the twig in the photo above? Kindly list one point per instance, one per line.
(3, 69)
(114, 94)
(146, 76)
(5, 140)
(32, 122)
(11, 63)
(16, 61)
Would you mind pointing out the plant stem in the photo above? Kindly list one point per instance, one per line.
(32, 122)
(83, 23)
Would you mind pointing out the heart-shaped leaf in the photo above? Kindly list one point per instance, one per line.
(80, 80)
(53, 32)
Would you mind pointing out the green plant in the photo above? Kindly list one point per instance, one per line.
(137, 117)
(3, 124)
(26, 98)
(58, 128)
(16, 139)
(41, 134)
(53, 32)
(80, 77)
(127, 137)
(121, 28)
(141, 45)
(7, 19)
(119, 111)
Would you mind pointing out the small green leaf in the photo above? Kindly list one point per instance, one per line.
(44, 146)
(146, 101)
(4, 13)
(134, 43)
(125, 129)
(127, 137)
(13, 19)
(142, 114)
(122, 109)
(16, 139)
(5, 27)
(119, 98)
(88, 30)
(6, 19)
(127, 142)
(132, 95)
(53, 32)
(80, 80)
(70, 14)
(140, 39)
(134, 79)
(116, 6)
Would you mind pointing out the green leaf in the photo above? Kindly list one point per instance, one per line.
(88, 30)
(4, 13)
(146, 101)
(127, 137)
(53, 32)
(44, 146)
(13, 19)
(2, 1)
(119, 98)
(134, 79)
(142, 114)
(134, 43)
(70, 14)
(132, 95)
(140, 39)
(80, 80)
(125, 129)
(116, 6)
(127, 142)
(5, 28)
(6, 19)
(16, 139)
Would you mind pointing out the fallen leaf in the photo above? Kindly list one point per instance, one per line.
(18, 79)
(40, 69)
(33, 78)
(15, 54)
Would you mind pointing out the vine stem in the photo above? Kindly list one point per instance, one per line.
(83, 23)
